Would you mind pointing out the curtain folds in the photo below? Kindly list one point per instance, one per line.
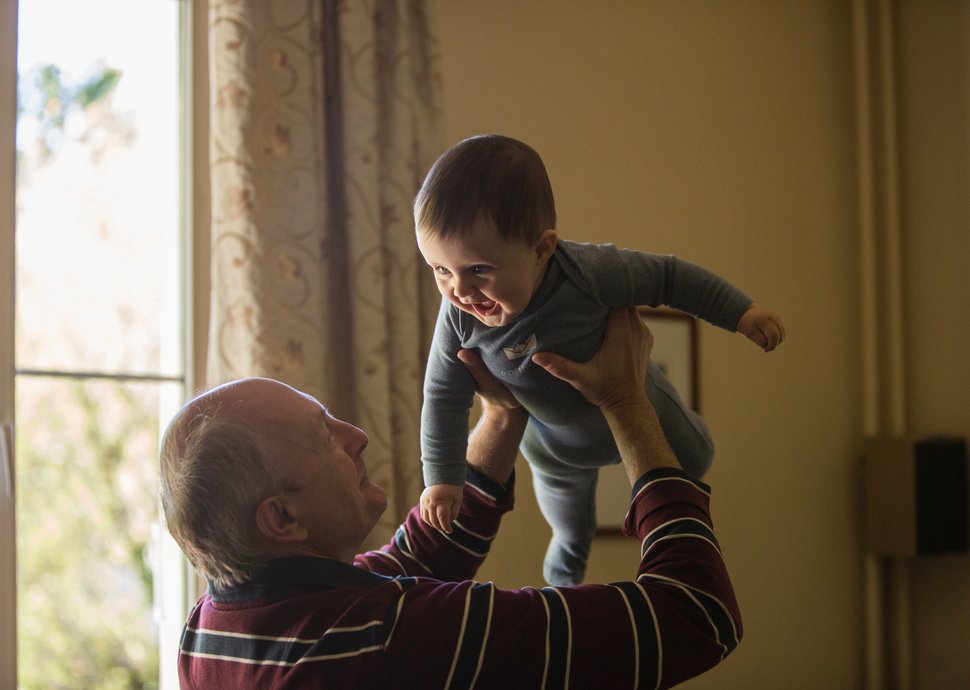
(325, 117)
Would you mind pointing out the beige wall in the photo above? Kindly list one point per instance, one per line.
(934, 83)
(724, 133)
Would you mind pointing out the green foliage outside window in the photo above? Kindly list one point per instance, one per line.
(86, 502)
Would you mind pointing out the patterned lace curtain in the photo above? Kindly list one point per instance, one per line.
(324, 120)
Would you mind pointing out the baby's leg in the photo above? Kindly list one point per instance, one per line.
(686, 432)
(567, 501)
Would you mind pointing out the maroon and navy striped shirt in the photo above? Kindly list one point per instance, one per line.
(411, 616)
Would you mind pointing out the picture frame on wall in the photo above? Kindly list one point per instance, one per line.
(675, 350)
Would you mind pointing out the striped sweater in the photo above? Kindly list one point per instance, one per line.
(410, 615)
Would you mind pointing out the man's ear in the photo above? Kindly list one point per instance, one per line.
(546, 245)
(275, 522)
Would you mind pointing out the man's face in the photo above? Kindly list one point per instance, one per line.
(491, 278)
(320, 460)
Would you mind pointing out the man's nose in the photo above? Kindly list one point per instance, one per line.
(361, 439)
(357, 438)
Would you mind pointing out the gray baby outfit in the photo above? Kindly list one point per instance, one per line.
(567, 439)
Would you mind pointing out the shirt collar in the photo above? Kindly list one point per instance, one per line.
(292, 572)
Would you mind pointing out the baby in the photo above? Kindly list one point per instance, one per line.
(486, 225)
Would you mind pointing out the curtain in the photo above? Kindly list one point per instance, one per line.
(324, 120)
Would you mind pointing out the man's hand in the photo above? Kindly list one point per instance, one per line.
(614, 381)
(615, 374)
(440, 504)
(762, 327)
(494, 442)
(493, 394)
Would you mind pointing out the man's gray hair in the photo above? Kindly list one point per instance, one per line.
(214, 472)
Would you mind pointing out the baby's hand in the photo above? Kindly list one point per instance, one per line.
(440, 504)
(762, 327)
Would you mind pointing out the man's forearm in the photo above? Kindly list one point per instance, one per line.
(639, 438)
(494, 442)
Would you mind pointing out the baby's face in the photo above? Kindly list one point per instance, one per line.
(491, 278)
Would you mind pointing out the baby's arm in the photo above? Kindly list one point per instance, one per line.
(440, 504)
(448, 393)
(625, 278)
(657, 279)
(492, 445)
(763, 327)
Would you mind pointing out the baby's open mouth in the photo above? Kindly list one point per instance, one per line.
(486, 308)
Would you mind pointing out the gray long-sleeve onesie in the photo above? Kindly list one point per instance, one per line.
(567, 315)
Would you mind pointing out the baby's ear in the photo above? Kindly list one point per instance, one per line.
(546, 245)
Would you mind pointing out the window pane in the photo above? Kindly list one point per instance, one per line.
(98, 243)
(86, 503)
(98, 185)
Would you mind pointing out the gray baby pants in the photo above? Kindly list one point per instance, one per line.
(567, 495)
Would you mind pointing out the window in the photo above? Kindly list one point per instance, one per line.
(98, 262)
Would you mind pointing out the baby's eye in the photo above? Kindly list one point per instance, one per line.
(480, 270)
(440, 270)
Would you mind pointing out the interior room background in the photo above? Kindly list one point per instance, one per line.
(814, 152)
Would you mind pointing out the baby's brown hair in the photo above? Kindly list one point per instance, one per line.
(490, 178)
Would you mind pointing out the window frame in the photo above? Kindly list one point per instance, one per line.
(184, 586)
(8, 162)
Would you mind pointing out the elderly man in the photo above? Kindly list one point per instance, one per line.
(268, 495)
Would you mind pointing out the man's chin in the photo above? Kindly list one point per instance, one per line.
(376, 496)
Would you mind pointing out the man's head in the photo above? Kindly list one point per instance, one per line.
(485, 221)
(254, 470)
